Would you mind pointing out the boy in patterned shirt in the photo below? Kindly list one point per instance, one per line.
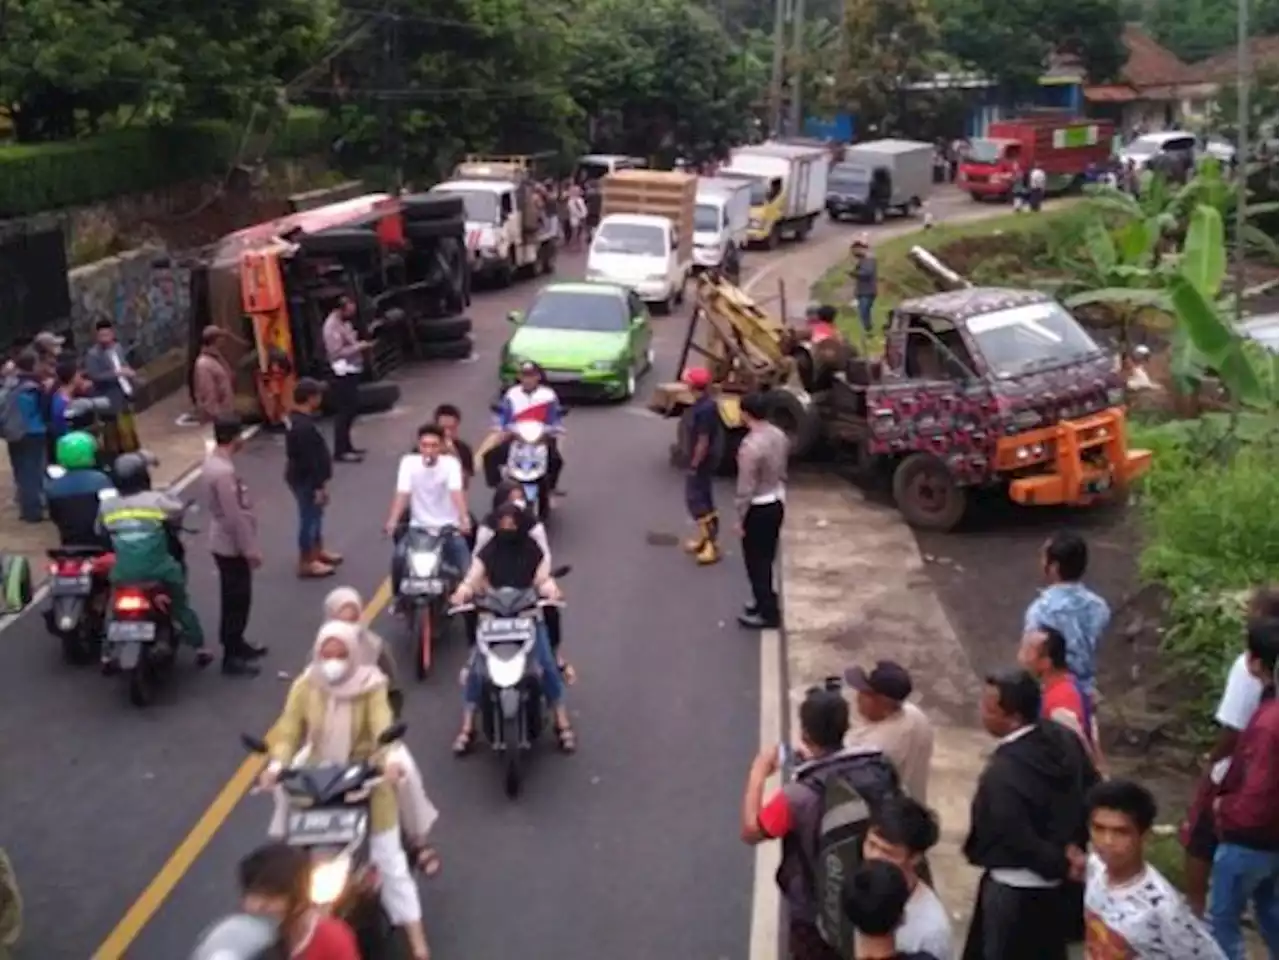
(1131, 911)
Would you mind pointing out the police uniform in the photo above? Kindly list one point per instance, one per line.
(139, 525)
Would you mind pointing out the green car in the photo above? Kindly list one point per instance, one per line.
(590, 339)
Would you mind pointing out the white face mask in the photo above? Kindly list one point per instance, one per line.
(333, 670)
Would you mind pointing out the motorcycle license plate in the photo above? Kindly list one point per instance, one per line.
(422, 586)
(317, 827)
(131, 631)
(72, 586)
(506, 629)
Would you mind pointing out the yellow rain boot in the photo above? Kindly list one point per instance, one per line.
(695, 544)
(708, 554)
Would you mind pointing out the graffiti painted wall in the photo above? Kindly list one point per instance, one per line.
(142, 292)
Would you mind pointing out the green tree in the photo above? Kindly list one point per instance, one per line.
(1195, 29)
(1011, 41)
(1263, 93)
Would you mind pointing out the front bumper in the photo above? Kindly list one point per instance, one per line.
(704, 257)
(986, 187)
(848, 208)
(576, 384)
(1074, 463)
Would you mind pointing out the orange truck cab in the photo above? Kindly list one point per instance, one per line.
(1065, 149)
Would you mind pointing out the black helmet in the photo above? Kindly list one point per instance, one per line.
(241, 936)
(132, 473)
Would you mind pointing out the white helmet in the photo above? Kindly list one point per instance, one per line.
(241, 936)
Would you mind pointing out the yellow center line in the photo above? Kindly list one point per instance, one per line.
(193, 844)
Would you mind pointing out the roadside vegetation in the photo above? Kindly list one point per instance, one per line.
(1154, 271)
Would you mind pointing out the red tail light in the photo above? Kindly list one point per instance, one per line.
(69, 568)
(131, 603)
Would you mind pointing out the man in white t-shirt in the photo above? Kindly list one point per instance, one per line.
(429, 484)
(1131, 911)
(1240, 698)
(901, 832)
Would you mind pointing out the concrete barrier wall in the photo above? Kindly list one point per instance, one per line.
(142, 292)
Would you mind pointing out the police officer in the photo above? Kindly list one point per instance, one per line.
(705, 441)
(141, 522)
(761, 492)
(73, 496)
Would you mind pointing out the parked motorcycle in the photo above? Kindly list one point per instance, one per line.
(329, 816)
(528, 459)
(79, 591)
(511, 710)
(424, 590)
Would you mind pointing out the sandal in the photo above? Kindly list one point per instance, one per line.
(567, 671)
(566, 739)
(426, 859)
(463, 743)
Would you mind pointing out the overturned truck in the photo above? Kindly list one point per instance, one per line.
(401, 260)
(976, 387)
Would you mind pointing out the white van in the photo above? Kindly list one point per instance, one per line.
(721, 214)
(641, 252)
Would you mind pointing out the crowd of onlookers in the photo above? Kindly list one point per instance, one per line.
(1061, 844)
(39, 387)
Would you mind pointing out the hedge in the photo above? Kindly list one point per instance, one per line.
(48, 176)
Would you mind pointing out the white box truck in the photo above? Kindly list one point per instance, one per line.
(789, 188)
(721, 214)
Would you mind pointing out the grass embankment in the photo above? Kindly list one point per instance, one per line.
(990, 251)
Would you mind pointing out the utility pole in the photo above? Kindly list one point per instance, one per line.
(796, 124)
(776, 82)
(1243, 79)
(393, 134)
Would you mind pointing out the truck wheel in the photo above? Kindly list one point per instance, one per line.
(977, 197)
(458, 349)
(833, 216)
(927, 495)
(797, 419)
(439, 329)
(336, 242)
(377, 396)
(434, 229)
(419, 207)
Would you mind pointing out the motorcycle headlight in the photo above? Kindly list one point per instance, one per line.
(329, 879)
(423, 564)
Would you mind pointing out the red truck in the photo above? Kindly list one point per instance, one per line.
(1064, 148)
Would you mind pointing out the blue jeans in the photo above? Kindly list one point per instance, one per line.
(27, 458)
(1241, 876)
(310, 519)
(552, 686)
(865, 302)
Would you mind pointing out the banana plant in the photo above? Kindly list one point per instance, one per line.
(1118, 272)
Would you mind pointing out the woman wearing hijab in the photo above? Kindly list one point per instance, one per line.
(512, 558)
(509, 491)
(417, 813)
(336, 709)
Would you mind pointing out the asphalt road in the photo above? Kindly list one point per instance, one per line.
(628, 849)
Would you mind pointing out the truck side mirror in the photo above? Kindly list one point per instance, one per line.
(515, 317)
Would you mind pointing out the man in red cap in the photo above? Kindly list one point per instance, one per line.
(705, 440)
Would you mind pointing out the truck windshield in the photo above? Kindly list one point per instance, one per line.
(843, 176)
(1016, 340)
(986, 151)
(706, 218)
(479, 207)
(633, 239)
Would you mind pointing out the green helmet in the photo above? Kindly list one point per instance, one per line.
(77, 451)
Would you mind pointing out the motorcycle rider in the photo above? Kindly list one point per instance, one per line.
(510, 491)
(514, 559)
(142, 525)
(430, 485)
(73, 497)
(529, 399)
(417, 813)
(275, 886)
(338, 708)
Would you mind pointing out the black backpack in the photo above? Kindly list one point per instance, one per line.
(850, 786)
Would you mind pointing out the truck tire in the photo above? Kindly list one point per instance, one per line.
(419, 207)
(457, 349)
(926, 494)
(377, 396)
(329, 243)
(434, 229)
(797, 419)
(440, 329)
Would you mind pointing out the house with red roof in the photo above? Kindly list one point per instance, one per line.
(1150, 91)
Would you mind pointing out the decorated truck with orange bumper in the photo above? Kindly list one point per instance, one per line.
(982, 387)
